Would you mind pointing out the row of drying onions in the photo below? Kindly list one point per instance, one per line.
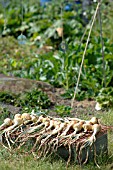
(66, 123)
(50, 131)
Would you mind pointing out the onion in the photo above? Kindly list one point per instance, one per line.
(26, 116)
(7, 122)
(94, 120)
(45, 119)
(33, 118)
(46, 123)
(87, 127)
(17, 116)
(78, 126)
(88, 122)
(96, 128)
(40, 119)
(16, 122)
(56, 123)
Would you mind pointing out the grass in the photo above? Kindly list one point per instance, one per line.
(20, 161)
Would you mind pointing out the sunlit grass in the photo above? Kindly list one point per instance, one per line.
(22, 162)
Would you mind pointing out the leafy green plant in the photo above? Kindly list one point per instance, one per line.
(62, 110)
(105, 97)
(58, 68)
(35, 17)
(6, 97)
(32, 99)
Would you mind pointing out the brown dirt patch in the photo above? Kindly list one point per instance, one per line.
(19, 85)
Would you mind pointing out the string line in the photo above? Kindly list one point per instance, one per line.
(80, 70)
